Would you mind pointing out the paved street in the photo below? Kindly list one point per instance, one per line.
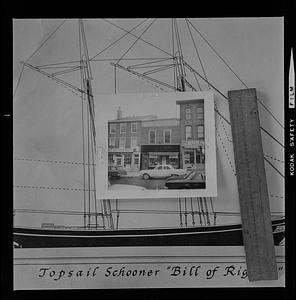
(148, 184)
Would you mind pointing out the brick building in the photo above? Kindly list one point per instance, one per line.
(141, 142)
(192, 134)
(124, 139)
(160, 143)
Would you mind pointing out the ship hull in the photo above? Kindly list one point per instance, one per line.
(224, 235)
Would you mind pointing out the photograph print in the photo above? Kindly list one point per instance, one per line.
(156, 145)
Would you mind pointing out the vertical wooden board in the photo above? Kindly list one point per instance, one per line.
(252, 185)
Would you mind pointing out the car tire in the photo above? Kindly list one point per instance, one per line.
(146, 176)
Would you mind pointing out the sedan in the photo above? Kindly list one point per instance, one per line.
(193, 180)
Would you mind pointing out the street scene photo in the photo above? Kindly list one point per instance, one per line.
(161, 149)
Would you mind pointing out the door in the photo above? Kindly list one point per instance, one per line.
(119, 160)
(188, 159)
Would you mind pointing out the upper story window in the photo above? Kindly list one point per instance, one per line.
(134, 142)
(122, 141)
(200, 132)
(199, 113)
(188, 133)
(152, 137)
(133, 127)
(112, 128)
(188, 113)
(112, 142)
(122, 128)
(167, 136)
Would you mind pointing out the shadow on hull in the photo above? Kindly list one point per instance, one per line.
(224, 235)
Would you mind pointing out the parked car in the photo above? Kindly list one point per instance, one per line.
(162, 171)
(115, 172)
(192, 180)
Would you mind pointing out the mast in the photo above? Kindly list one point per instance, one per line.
(88, 133)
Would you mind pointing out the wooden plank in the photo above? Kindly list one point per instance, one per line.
(252, 185)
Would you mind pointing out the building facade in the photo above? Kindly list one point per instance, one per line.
(160, 143)
(124, 140)
(192, 134)
(142, 142)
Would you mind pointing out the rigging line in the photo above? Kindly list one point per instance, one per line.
(226, 153)
(140, 38)
(82, 125)
(49, 188)
(273, 167)
(196, 80)
(50, 161)
(58, 80)
(271, 157)
(146, 77)
(94, 177)
(48, 211)
(89, 73)
(273, 116)
(197, 53)
(69, 70)
(226, 98)
(192, 212)
(158, 70)
(115, 79)
(180, 212)
(110, 45)
(199, 212)
(215, 51)
(224, 129)
(173, 48)
(45, 40)
(56, 67)
(202, 210)
(148, 66)
(264, 130)
(99, 60)
(149, 62)
(87, 149)
(117, 213)
(18, 81)
(185, 211)
(135, 41)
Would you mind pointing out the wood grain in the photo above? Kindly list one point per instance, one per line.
(252, 185)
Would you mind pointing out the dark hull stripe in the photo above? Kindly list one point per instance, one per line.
(228, 235)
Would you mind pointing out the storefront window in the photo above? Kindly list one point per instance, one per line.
(153, 161)
(167, 136)
(174, 161)
(152, 137)
(188, 133)
(187, 113)
(200, 158)
(110, 160)
(189, 157)
(200, 131)
(127, 160)
(136, 159)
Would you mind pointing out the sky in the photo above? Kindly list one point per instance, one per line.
(47, 117)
